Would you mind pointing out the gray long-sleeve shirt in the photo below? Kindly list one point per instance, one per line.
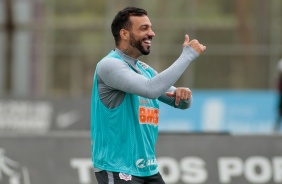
(115, 79)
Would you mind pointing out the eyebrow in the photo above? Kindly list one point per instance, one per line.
(146, 25)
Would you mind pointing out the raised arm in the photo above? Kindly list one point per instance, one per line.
(117, 74)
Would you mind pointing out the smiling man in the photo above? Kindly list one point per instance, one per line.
(124, 105)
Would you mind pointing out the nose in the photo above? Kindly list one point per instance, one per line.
(151, 33)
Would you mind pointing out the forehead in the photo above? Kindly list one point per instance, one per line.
(138, 21)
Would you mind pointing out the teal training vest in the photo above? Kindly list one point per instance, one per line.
(123, 138)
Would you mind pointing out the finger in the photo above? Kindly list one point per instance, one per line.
(177, 100)
(170, 94)
(188, 95)
(194, 41)
(203, 46)
(183, 94)
(186, 40)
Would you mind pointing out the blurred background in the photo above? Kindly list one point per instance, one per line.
(49, 50)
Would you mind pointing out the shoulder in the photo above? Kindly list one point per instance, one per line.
(110, 61)
(110, 64)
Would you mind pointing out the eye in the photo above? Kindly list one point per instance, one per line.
(143, 28)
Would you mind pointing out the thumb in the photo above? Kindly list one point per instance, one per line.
(186, 41)
(170, 94)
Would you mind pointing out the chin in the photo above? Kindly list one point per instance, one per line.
(146, 52)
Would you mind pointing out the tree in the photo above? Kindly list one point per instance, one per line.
(9, 27)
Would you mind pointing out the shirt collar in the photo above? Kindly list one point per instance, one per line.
(126, 58)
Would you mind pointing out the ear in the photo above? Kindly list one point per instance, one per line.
(124, 34)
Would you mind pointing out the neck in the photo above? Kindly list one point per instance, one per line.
(130, 51)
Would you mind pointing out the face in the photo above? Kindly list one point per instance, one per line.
(141, 35)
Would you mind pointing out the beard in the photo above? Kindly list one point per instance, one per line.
(138, 45)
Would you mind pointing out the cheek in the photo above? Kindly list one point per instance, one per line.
(140, 35)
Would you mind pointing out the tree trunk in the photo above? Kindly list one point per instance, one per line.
(9, 27)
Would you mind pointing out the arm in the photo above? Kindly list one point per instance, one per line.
(118, 75)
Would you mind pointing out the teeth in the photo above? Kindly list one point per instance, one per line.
(147, 41)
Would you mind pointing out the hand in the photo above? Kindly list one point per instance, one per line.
(194, 44)
(180, 93)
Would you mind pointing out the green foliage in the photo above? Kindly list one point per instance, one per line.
(82, 30)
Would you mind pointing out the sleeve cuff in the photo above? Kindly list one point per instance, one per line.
(188, 49)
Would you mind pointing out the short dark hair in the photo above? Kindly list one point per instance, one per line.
(121, 20)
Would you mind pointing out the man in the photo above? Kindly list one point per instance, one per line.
(124, 106)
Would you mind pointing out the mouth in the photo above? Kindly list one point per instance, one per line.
(147, 42)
